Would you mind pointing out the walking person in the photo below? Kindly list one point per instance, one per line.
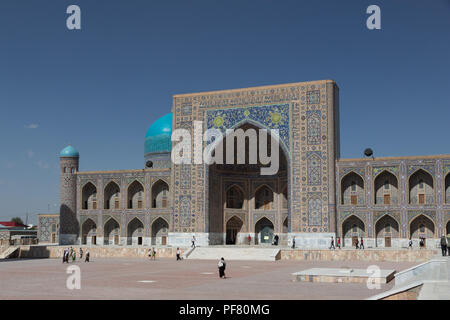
(410, 243)
(74, 255)
(332, 244)
(178, 254)
(149, 253)
(193, 242)
(356, 244)
(444, 246)
(153, 253)
(275, 240)
(81, 253)
(293, 243)
(361, 244)
(87, 256)
(64, 255)
(222, 266)
(339, 242)
(249, 238)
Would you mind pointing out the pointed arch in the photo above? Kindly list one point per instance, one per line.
(112, 196)
(387, 227)
(111, 231)
(233, 228)
(89, 196)
(135, 195)
(352, 227)
(386, 188)
(264, 229)
(421, 187)
(160, 194)
(88, 229)
(160, 231)
(264, 199)
(352, 189)
(234, 197)
(135, 231)
(422, 226)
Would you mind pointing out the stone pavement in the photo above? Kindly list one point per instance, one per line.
(139, 278)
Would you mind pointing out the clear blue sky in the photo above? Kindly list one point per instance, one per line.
(100, 88)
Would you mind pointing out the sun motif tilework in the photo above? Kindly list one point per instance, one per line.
(268, 117)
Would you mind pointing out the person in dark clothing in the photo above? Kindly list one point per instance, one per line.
(87, 256)
(275, 240)
(361, 243)
(222, 266)
(444, 246)
(178, 254)
(356, 244)
(293, 243)
(332, 243)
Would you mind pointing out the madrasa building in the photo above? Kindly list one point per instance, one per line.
(315, 195)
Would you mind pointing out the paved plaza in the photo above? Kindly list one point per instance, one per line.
(120, 278)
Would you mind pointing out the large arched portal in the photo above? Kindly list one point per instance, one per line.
(239, 186)
(111, 232)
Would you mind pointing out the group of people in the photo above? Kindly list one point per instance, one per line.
(152, 253)
(338, 243)
(71, 253)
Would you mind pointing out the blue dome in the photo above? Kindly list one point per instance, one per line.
(159, 135)
(69, 151)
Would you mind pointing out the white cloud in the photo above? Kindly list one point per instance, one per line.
(31, 126)
(30, 154)
(43, 164)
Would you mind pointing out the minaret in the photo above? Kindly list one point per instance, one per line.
(68, 222)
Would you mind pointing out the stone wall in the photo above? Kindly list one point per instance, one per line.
(359, 255)
(96, 252)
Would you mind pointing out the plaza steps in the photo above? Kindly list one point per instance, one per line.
(9, 252)
(234, 253)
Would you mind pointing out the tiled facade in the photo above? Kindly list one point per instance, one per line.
(315, 195)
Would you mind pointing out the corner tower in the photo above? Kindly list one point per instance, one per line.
(68, 224)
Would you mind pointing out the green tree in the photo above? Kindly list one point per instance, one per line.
(17, 220)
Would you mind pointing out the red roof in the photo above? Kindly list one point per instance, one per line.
(11, 224)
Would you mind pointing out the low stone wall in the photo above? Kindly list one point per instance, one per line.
(405, 255)
(96, 252)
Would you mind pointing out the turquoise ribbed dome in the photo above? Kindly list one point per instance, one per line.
(159, 135)
(69, 151)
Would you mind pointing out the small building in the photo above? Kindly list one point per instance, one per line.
(48, 228)
(16, 233)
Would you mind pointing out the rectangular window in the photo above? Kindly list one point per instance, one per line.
(387, 199)
(139, 204)
(94, 205)
(116, 204)
(354, 199)
(164, 203)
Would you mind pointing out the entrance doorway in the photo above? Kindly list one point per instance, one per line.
(387, 242)
(234, 226)
(93, 240)
(354, 241)
(264, 230)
